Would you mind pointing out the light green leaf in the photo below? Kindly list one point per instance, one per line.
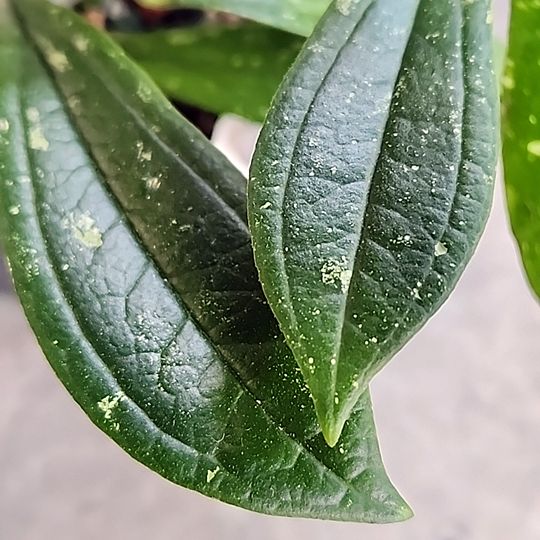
(371, 184)
(521, 133)
(499, 57)
(126, 238)
(296, 16)
(218, 68)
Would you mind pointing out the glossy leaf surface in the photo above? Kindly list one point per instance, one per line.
(126, 238)
(521, 134)
(218, 68)
(296, 16)
(371, 184)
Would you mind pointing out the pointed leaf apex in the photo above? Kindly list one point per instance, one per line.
(331, 433)
(331, 425)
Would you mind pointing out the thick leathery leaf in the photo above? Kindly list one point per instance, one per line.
(124, 231)
(218, 68)
(296, 16)
(371, 184)
(521, 133)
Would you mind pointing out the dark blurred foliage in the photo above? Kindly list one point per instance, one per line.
(130, 16)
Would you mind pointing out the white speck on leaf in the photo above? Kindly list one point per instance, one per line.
(210, 475)
(36, 139)
(4, 125)
(316, 48)
(153, 183)
(84, 230)
(109, 403)
(14, 210)
(142, 154)
(81, 43)
(57, 59)
(344, 6)
(144, 91)
(440, 249)
(334, 271)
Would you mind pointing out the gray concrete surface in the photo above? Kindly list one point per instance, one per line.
(458, 412)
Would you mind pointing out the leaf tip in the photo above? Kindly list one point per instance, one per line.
(406, 512)
(331, 430)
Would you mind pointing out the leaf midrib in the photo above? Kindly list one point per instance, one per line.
(360, 228)
(295, 150)
(455, 184)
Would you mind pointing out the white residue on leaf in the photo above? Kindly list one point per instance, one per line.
(316, 48)
(57, 59)
(440, 249)
(81, 43)
(334, 272)
(145, 91)
(4, 125)
(142, 154)
(109, 403)
(74, 103)
(344, 6)
(152, 183)
(14, 210)
(36, 138)
(210, 475)
(84, 230)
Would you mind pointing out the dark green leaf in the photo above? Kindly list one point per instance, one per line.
(220, 69)
(521, 133)
(371, 184)
(126, 238)
(296, 16)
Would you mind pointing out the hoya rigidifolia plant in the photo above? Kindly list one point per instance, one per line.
(224, 332)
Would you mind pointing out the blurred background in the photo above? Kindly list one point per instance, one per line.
(458, 414)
